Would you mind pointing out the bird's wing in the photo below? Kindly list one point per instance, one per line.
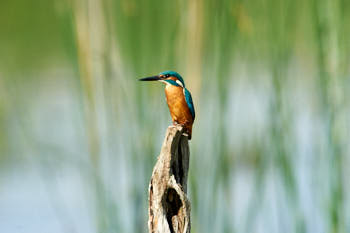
(189, 102)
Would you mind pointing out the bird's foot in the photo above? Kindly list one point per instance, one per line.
(178, 124)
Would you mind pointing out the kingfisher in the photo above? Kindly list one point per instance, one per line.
(178, 98)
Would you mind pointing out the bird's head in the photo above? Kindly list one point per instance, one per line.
(167, 77)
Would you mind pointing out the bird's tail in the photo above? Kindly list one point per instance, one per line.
(189, 131)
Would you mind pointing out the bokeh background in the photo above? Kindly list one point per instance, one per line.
(79, 135)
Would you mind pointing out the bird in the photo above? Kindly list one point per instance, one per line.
(178, 98)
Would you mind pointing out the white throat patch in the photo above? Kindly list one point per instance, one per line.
(164, 82)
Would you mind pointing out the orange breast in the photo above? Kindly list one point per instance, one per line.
(178, 108)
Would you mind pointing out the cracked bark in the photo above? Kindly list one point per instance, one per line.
(169, 208)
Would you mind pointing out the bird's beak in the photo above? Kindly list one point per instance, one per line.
(153, 78)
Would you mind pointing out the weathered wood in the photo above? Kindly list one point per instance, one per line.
(169, 208)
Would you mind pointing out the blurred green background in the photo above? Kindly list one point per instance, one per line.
(79, 135)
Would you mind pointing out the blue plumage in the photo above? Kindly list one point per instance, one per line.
(188, 97)
(181, 107)
(174, 74)
(189, 102)
(187, 94)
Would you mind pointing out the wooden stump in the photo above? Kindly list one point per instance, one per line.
(169, 208)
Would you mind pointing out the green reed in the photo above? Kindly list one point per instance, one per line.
(290, 57)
